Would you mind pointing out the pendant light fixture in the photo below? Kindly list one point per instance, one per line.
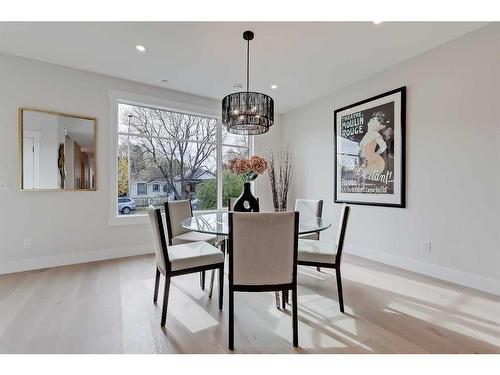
(247, 112)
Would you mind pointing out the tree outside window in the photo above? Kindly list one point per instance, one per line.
(178, 151)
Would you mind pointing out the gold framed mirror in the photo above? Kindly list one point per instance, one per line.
(58, 151)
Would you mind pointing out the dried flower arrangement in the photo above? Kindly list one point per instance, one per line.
(248, 168)
(280, 175)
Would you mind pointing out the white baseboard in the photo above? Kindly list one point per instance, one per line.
(454, 276)
(65, 259)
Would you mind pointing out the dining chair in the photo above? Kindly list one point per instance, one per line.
(309, 209)
(181, 259)
(326, 254)
(231, 201)
(175, 213)
(263, 258)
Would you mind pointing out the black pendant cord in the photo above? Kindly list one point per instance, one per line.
(248, 64)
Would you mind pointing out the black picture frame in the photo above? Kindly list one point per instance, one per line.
(401, 186)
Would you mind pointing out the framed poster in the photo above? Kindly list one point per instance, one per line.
(370, 151)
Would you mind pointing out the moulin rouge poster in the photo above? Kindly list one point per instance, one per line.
(369, 151)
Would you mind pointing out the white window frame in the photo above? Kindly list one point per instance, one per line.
(116, 97)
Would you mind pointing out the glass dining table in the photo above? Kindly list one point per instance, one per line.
(217, 223)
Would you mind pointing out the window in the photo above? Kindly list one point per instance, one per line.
(233, 146)
(182, 152)
(142, 188)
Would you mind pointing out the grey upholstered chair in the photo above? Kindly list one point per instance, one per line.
(263, 258)
(174, 260)
(175, 213)
(309, 209)
(325, 253)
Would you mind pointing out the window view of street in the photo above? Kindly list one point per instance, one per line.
(165, 155)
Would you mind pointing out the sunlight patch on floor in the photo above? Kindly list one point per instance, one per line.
(397, 307)
(192, 316)
(414, 289)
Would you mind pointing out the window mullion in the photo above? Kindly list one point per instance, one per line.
(220, 172)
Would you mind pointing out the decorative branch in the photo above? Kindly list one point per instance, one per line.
(280, 174)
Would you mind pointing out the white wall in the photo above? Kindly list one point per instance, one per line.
(453, 159)
(64, 227)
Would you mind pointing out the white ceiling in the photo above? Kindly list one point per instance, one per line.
(306, 60)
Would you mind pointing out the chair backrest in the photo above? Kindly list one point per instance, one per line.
(263, 248)
(160, 243)
(175, 212)
(231, 201)
(344, 215)
(309, 208)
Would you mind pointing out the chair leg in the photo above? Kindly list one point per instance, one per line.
(165, 300)
(295, 322)
(283, 299)
(221, 287)
(339, 289)
(277, 296)
(202, 280)
(211, 288)
(157, 284)
(231, 320)
(318, 269)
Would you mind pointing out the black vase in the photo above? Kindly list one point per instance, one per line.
(246, 202)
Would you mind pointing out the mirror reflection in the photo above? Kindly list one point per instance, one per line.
(58, 151)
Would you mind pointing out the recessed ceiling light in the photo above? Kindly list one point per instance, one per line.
(140, 48)
(377, 22)
(274, 87)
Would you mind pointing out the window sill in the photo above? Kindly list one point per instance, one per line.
(141, 219)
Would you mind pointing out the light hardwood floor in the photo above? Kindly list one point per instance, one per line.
(106, 307)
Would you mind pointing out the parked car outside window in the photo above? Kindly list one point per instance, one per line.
(126, 205)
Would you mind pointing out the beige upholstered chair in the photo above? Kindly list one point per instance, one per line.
(174, 260)
(309, 209)
(175, 213)
(263, 258)
(325, 253)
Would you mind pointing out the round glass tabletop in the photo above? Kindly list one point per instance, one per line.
(217, 223)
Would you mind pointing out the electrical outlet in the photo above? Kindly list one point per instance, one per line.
(427, 246)
(27, 243)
